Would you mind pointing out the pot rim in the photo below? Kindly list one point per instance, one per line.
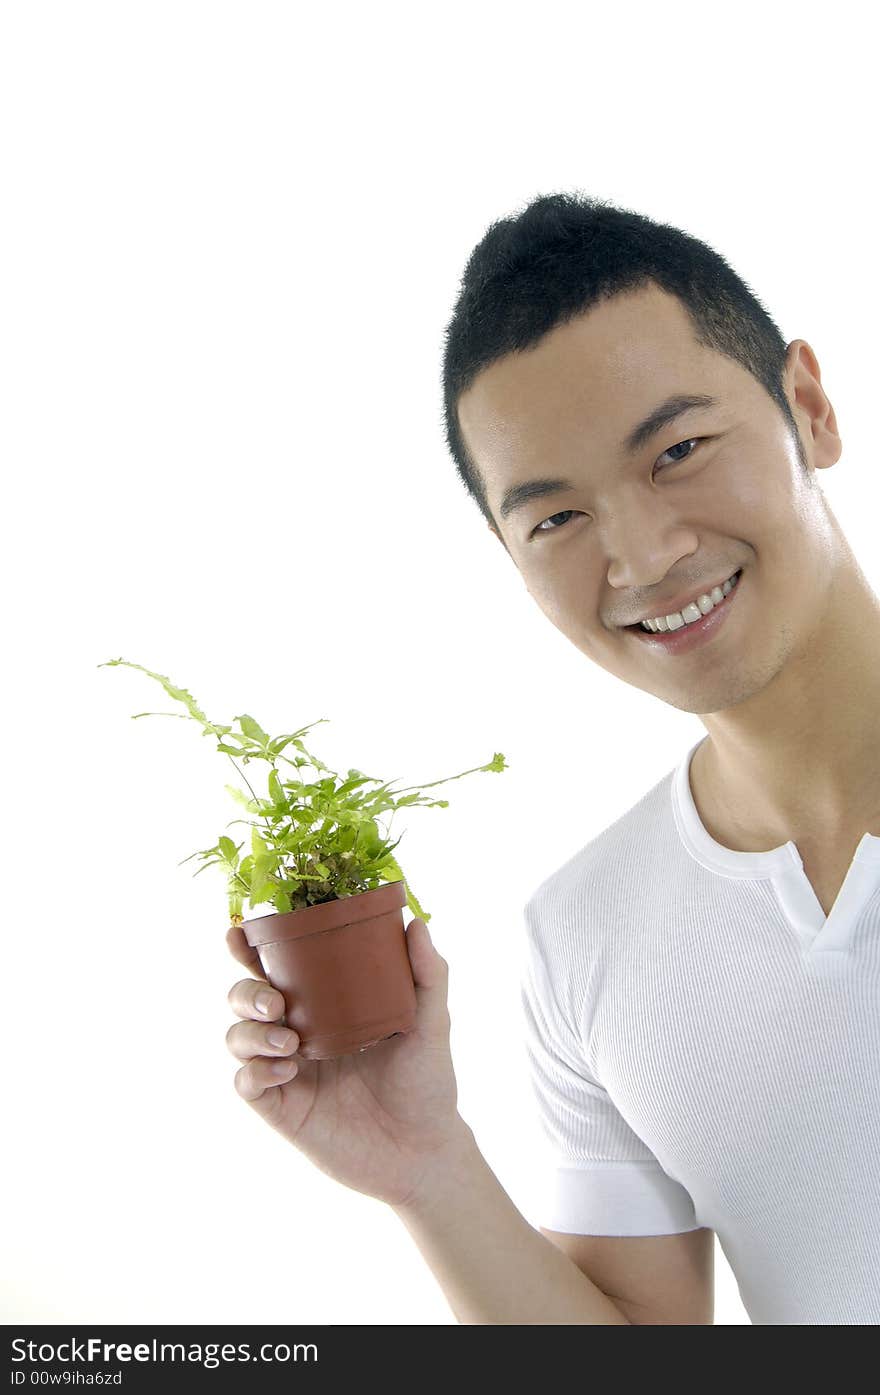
(328, 915)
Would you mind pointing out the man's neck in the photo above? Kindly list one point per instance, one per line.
(801, 758)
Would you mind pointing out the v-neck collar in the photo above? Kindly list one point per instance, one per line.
(784, 868)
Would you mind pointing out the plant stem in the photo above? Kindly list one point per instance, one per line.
(406, 788)
(268, 829)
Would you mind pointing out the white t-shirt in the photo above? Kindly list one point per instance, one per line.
(704, 1047)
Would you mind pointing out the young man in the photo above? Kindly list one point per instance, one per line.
(702, 980)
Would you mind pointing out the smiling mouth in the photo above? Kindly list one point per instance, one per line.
(685, 618)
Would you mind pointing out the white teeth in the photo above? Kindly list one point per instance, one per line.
(693, 611)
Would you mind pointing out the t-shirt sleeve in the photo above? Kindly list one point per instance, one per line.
(600, 1178)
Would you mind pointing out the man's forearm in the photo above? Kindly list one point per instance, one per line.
(491, 1264)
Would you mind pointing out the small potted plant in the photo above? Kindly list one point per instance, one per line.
(335, 946)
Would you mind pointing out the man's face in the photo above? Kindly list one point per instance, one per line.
(641, 533)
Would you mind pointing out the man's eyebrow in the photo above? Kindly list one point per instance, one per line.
(518, 495)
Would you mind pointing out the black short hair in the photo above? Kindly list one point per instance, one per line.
(563, 254)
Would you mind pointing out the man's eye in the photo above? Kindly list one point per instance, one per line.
(539, 528)
(565, 514)
(692, 441)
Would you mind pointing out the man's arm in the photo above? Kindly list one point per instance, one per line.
(491, 1264)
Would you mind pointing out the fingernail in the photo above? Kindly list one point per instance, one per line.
(263, 1001)
(279, 1036)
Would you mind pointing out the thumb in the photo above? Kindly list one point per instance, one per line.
(430, 972)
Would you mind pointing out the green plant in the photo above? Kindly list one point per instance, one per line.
(293, 864)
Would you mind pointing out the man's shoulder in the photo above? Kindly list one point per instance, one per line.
(618, 852)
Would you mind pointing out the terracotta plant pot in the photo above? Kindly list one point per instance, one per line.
(343, 968)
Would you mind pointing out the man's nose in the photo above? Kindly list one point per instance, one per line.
(642, 538)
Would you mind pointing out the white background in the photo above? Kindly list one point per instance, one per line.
(233, 238)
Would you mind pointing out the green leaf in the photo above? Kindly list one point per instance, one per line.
(264, 893)
(368, 837)
(179, 694)
(252, 805)
(196, 854)
(415, 907)
(282, 742)
(229, 850)
(275, 791)
(253, 730)
(262, 876)
(411, 900)
(358, 778)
